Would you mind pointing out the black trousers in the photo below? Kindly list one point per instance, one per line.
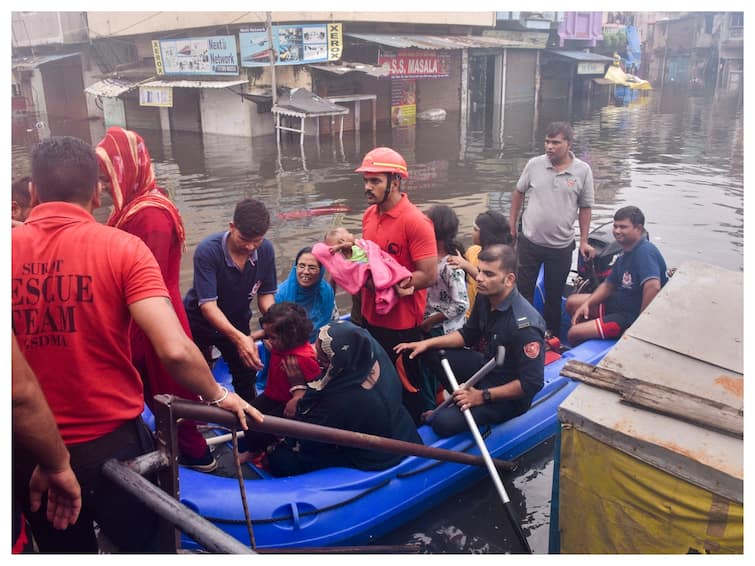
(244, 378)
(254, 441)
(464, 364)
(556, 264)
(129, 524)
(424, 398)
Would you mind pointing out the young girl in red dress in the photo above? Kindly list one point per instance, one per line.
(293, 362)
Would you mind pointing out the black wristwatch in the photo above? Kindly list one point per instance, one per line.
(486, 396)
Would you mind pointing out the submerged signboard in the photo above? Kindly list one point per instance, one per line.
(196, 56)
(292, 44)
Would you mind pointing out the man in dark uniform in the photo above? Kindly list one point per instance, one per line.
(501, 317)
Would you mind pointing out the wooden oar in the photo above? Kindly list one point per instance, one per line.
(486, 456)
(182, 408)
(472, 381)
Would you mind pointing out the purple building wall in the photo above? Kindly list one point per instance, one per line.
(586, 27)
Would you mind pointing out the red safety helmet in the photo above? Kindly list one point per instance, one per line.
(383, 160)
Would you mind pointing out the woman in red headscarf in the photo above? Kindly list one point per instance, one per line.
(142, 208)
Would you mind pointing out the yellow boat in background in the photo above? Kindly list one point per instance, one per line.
(617, 76)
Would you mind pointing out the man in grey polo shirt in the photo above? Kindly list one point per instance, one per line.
(560, 189)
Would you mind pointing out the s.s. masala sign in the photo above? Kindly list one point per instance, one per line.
(415, 65)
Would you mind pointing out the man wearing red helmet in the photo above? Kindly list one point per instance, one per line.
(404, 232)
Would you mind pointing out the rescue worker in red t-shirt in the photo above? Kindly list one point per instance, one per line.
(404, 232)
(76, 286)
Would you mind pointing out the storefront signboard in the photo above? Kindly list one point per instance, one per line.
(415, 65)
(403, 102)
(196, 56)
(156, 96)
(295, 44)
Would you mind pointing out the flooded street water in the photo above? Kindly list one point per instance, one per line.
(678, 158)
(676, 155)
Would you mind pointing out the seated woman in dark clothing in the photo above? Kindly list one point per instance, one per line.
(359, 391)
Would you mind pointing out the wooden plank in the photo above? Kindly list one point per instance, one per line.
(700, 314)
(636, 359)
(692, 408)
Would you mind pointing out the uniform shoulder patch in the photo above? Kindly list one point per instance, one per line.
(522, 322)
(532, 350)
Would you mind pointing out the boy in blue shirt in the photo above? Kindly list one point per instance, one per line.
(230, 269)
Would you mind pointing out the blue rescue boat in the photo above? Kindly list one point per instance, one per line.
(343, 506)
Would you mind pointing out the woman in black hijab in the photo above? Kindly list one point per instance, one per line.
(359, 391)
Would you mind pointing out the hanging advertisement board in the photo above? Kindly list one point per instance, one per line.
(196, 56)
(295, 44)
(591, 68)
(156, 96)
(403, 102)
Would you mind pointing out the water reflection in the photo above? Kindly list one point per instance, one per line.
(677, 157)
(475, 522)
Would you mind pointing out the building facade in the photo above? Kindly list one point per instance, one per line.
(208, 71)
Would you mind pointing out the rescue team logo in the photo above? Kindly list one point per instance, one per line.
(626, 280)
(532, 350)
(393, 248)
(45, 301)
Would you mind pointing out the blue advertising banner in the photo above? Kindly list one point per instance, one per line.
(292, 44)
(196, 56)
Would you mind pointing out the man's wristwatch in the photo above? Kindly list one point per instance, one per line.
(486, 396)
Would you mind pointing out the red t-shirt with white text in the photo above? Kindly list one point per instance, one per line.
(72, 282)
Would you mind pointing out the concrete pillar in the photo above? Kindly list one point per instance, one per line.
(165, 119)
(464, 104)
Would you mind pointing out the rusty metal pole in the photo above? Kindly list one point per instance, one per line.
(166, 440)
(168, 508)
(299, 429)
(273, 54)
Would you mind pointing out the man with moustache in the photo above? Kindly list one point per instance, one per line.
(404, 232)
(560, 189)
(500, 317)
